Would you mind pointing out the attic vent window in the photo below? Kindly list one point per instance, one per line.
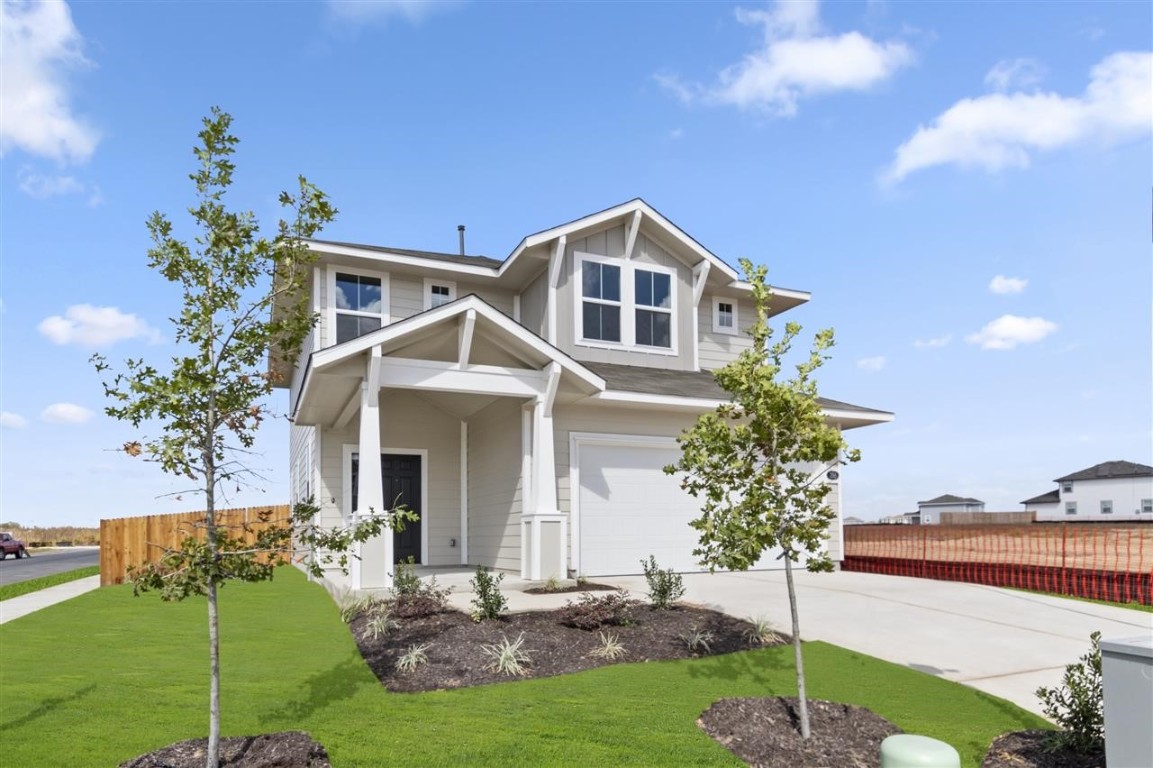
(725, 316)
(438, 292)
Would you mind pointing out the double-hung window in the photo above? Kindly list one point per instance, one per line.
(601, 301)
(358, 304)
(654, 308)
(1106, 507)
(623, 304)
(725, 316)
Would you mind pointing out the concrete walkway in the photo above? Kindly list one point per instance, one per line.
(999, 641)
(16, 607)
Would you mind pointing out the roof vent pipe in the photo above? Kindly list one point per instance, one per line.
(460, 232)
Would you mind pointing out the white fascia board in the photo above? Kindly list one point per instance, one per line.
(746, 287)
(385, 257)
(872, 417)
(332, 355)
(447, 377)
(657, 401)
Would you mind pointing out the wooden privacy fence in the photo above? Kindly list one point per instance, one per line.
(133, 541)
(1112, 561)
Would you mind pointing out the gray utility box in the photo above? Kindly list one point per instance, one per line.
(1127, 683)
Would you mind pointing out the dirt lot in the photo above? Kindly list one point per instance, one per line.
(1091, 546)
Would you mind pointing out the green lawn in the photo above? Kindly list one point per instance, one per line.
(106, 676)
(8, 591)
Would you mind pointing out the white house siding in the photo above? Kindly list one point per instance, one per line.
(1126, 494)
(611, 243)
(718, 349)
(406, 297)
(494, 491)
(408, 423)
(534, 304)
(501, 300)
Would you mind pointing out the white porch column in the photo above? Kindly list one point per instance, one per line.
(376, 553)
(543, 527)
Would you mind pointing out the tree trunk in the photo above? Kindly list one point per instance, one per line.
(214, 684)
(803, 700)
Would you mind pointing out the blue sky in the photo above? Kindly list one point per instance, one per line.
(963, 187)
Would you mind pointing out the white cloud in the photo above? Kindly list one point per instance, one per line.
(795, 61)
(934, 343)
(1015, 73)
(40, 186)
(10, 420)
(871, 363)
(1002, 284)
(38, 44)
(91, 326)
(374, 11)
(1003, 130)
(65, 413)
(1007, 331)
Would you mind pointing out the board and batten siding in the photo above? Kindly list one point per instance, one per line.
(534, 304)
(408, 422)
(611, 243)
(494, 485)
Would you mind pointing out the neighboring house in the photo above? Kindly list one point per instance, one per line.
(929, 512)
(525, 407)
(1114, 490)
(908, 518)
(853, 521)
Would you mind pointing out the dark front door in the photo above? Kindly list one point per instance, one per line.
(400, 474)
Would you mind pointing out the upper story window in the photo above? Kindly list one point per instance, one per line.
(725, 316)
(1070, 507)
(1146, 506)
(654, 308)
(358, 305)
(438, 292)
(626, 305)
(1106, 507)
(601, 301)
(1067, 486)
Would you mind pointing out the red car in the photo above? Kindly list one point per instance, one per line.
(10, 545)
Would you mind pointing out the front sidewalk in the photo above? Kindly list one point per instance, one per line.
(23, 605)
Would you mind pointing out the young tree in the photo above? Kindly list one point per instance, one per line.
(756, 462)
(213, 399)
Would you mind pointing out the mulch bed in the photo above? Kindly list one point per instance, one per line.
(456, 658)
(765, 733)
(570, 588)
(1031, 749)
(288, 749)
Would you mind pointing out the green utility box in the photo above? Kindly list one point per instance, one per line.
(905, 750)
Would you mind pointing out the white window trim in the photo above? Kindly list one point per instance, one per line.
(1070, 507)
(717, 327)
(627, 305)
(429, 282)
(1067, 486)
(331, 310)
(1106, 506)
(1146, 506)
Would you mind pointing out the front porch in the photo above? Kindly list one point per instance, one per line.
(449, 413)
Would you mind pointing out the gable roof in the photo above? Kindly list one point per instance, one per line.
(949, 498)
(1049, 497)
(1108, 470)
(483, 266)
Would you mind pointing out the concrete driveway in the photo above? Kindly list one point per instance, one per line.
(999, 641)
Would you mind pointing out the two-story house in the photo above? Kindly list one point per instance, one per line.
(524, 408)
(1112, 490)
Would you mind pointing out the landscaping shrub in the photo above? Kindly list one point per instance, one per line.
(1076, 705)
(508, 656)
(488, 602)
(413, 598)
(592, 612)
(665, 585)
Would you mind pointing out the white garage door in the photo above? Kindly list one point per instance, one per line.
(629, 509)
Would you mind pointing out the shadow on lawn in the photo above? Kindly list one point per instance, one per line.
(323, 689)
(762, 666)
(47, 707)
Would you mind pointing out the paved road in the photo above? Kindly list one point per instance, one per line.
(46, 564)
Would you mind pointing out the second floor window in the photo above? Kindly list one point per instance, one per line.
(601, 306)
(438, 292)
(359, 305)
(1106, 507)
(654, 309)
